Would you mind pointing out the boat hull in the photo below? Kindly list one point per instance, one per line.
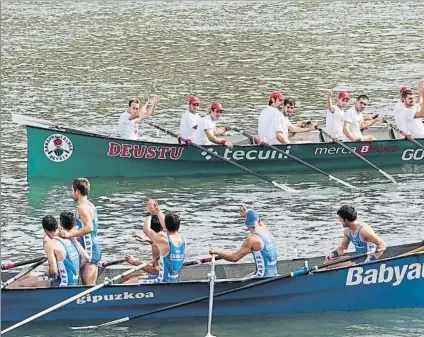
(65, 154)
(391, 283)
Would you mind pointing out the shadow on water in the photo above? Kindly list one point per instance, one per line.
(389, 323)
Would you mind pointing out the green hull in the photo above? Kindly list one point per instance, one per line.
(59, 154)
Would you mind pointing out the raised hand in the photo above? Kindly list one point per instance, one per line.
(329, 93)
(243, 210)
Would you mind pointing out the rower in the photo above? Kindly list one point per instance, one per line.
(134, 278)
(279, 125)
(64, 256)
(260, 243)
(399, 104)
(86, 219)
(129, 121)
(354, 121)
(334, 117)
(207, 133)
(169, 249)
(409, 119)
(268, 117)
(362, 237)
(190, 119)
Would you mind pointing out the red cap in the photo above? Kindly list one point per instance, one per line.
(216, 106)
(344, 94)
(402, 89)
(276, 94)
(194, 100)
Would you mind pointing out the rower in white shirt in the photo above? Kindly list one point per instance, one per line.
(410, 118)
(334, 117)
(275, 125)
(129, 121)
(207, 132)
(190, 119)
(399, 104)
(354, 121)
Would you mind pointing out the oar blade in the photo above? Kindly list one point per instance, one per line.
(283, 187)
(388, 176)
(342, 182)
(92, 327)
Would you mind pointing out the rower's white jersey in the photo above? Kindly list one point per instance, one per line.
(334, 122)
(206, 123)
(355, 119)
(407, 123)
(188, 121)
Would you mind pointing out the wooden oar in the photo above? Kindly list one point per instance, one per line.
(244, 133)
(406, 136)
(75, 297)
(212, 277)
(111, 263)
(21, 263)
(416, 250)
(201, 261)
(23, 273)
(188, 142)
(299, 272)
(384, 173)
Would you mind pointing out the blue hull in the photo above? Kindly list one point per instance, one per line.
(391, 283)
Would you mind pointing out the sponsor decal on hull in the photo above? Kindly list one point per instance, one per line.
(413, 154)
(114, 297)
(144, 152)
(394, 275)
(364, 149)
(262, 154)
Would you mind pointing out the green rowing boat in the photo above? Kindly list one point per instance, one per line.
(57, 152)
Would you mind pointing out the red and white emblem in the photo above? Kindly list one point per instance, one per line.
(58, 147)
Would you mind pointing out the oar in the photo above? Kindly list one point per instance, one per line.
(75, 297)
(384, 173)
(416, 250)
(23, 273)
(406, 136)
(201, 261)
(244, 133)
(21, 263)
(211, 276)
(299, 272)
(188, 142)
(111, 263)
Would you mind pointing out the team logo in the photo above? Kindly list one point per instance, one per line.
(58, 147)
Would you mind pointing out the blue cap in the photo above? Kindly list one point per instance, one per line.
(251, 218)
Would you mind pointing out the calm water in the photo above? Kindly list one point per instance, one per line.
(79, 62)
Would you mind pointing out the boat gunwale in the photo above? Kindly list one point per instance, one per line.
(244, 280)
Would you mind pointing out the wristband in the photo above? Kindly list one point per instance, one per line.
(223, 142)
(335, 253)
(148, 214)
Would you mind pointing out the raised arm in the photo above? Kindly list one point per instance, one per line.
(421, 93)
(152, 207)
(151, 110)
(329, 103)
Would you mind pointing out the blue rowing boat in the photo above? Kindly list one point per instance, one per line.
(393, 282)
